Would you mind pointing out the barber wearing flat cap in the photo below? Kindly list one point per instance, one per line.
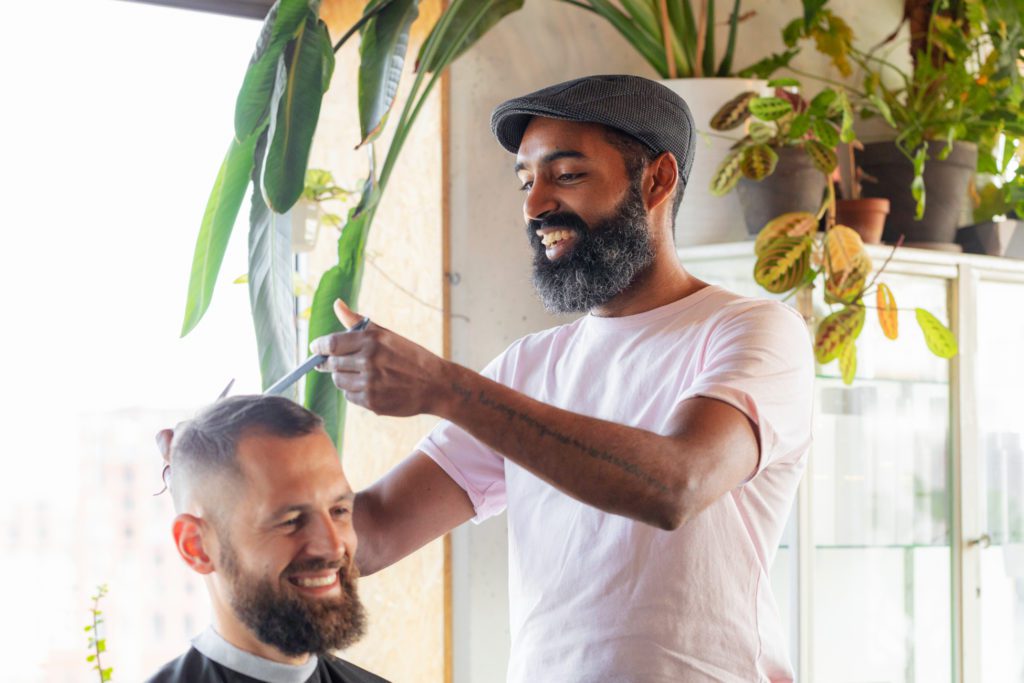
(647, 454)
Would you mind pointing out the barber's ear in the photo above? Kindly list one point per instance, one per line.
(663, 176)
(188, 538)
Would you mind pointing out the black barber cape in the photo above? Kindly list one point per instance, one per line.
(211, 659)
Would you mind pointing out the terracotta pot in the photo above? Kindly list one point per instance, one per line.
(866, 216)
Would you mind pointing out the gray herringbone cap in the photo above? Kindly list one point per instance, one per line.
(639, 107)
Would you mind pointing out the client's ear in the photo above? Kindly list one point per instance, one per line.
(188, 538)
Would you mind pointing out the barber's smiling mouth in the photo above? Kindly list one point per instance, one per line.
(557, 242)
(318, 583)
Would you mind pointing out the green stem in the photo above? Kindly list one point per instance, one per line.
(96, 634)
(358, 25)
(822, 79)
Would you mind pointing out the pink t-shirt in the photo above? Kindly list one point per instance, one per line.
(596, 597)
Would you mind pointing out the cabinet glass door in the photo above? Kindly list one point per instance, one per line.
(880, 505)
(1001, 479)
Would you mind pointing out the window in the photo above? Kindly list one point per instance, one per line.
(120, 130)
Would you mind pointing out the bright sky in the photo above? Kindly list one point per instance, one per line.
(116, 117)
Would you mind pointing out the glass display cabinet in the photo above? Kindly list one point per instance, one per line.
(903, 560)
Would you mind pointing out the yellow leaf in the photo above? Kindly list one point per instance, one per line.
(844, 250)
(887, 314)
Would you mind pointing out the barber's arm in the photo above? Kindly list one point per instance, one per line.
(412, 505)
(662, 480)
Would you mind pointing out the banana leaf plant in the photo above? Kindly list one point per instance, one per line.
(676, 41)
(276, 114)
(792, 255)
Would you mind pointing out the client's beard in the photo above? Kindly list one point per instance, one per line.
(293, 624)
(605, 260)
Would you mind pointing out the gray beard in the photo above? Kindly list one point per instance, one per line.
(606, 259)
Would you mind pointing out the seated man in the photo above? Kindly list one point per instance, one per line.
(265, 515)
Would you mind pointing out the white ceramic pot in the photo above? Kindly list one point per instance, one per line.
(704, 218)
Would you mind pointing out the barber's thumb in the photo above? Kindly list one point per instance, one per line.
(345, 315)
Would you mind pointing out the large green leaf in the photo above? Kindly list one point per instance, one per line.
(253, 102)
(322, 397)
(303, 71)
(271, 295)
(215, 229)
(708, 58)
(340, 282)
(644, 43)
(468, 13)
(382, 49)
(725, 67)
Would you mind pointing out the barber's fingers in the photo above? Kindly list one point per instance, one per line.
(346, 315)
(338, 344)
(343, 364)
(349, 381)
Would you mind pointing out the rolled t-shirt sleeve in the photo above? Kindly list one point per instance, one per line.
(475, 467)
(760, 361)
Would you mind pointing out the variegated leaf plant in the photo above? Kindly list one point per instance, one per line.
(792, 254)
(783, 119)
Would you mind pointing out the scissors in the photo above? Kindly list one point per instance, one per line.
(282, 385)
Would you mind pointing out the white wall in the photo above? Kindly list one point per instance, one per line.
(492, 301)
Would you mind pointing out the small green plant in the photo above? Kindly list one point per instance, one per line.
(784, 119)
(321, 187)
(97, 644)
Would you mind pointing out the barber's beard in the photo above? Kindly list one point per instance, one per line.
(293, 624)
(606, 258)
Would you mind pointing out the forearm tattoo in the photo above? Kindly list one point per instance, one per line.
(543, 431)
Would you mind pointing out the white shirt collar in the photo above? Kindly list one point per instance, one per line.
(212, 645)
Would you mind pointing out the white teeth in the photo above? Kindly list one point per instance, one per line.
(555, 237)
(316, 582)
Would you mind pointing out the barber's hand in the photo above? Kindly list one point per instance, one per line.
(380, 370)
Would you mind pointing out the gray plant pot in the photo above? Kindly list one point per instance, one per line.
(945, 184)
(796, 185)
(1005, 238)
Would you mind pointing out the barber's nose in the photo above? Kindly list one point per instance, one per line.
(540, 201)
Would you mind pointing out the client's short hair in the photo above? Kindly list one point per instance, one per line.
(207, 445)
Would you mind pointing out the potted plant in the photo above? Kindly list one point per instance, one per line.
(866, 215)
(945, 118)
(276, 115)
(677, 38)
(783, 162)
(792, 255)
(997, 229)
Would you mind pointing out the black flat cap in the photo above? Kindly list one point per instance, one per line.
(641, 108)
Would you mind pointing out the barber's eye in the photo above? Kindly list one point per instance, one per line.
(567, 177)
(291, 521)
(526, 186)
(341, 512)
